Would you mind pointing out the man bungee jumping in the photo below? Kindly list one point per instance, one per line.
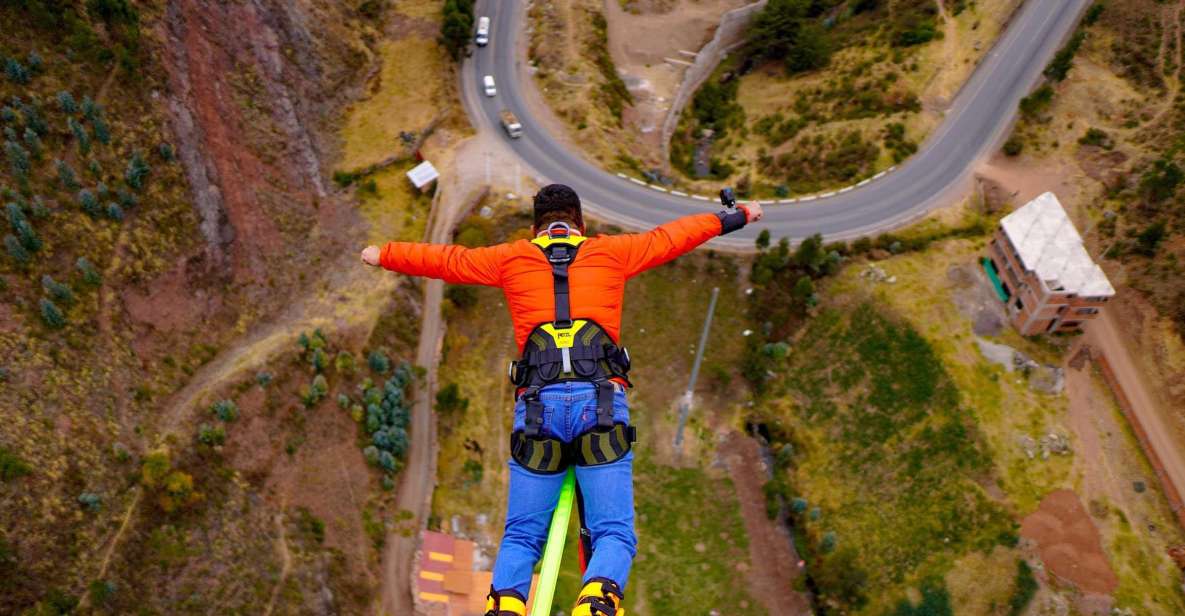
(564, 291)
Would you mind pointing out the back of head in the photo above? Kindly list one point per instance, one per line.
(557, 203)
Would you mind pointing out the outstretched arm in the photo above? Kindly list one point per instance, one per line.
(450, 263)
(642, 251)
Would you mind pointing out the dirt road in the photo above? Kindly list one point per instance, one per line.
(1166, 455)
(419, 476)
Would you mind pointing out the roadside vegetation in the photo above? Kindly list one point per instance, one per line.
(828, 93)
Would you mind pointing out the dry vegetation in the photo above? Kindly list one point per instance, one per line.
(853, 90)
(128, 485)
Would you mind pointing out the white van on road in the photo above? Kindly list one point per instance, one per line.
(483, 31)
(488, 83)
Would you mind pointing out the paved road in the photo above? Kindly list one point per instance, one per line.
(976, 123)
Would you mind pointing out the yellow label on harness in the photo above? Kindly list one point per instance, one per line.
(564, 337)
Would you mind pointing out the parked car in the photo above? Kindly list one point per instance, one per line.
(483, 32)
(488, 83)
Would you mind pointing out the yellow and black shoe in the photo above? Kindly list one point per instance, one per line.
(599, 597)
(505, 603)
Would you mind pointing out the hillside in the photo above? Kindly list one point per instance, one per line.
(171, 229)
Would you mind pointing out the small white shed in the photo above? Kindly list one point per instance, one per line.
(422, 175)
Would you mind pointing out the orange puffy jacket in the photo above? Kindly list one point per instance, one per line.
(596, 278)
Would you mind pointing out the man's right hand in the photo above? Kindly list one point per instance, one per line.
(370, 255)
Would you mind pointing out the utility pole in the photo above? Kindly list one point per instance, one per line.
(685, 405)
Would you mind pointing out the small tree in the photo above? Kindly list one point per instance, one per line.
(52, 315)
(114, 212)
(166, 152)
(57, 290)
(225, 410)
(449, 400)
(137, 171)
(378, 362)
(34, 143)
(102, 131)
(16, 250)
(90, 109)
(16, 72)
(319, 360)
(80, 136)
(18, 159)
(90, 501)
(89, 203)
(211, 435)
(27, 236)
(763, 239)
(67, 103)
(66, 176)
(35, 62)
(804, 292)
(89, 274)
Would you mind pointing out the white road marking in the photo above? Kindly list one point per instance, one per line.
(700, 197)
(658, 188)
(810, 198)
(843, 190)
(637, 181)
(623, 176)
(880, 175)
(788, 201)
(864, 182)
(770, 202)
(826, 195)
(678, 194)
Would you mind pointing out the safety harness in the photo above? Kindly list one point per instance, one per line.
(568, 349)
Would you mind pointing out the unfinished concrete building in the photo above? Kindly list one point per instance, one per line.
(1042, 271)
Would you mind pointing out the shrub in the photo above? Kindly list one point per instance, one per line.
(211, 435)
(1161, 181)
(114, 212)
(1094, 13)
(102, 131)
(263, 378)
(1014, 146)
(917, 33)
(935, 602)
(16, 250)
(16, 72)
(1148, 240)
(762, 241)
(827, 543)
(66, 176)
(67, 103)
(1061, 64)
(344, 363)
(1026, 586)
(12, 466)
(90, 501)
(136, 172)
(318, 360)
(316, 391)
(101, 591)
(166, 152)
(52, 315)
(378, 362)
(80, 136)
(57, 290)
(225, 410)
(35, 62)
(89, 274)
(27, 236)
(449, 400)
(1037, 102)
(89, 203)
(798, 505)
(18, 159)
(34, 143)
(1097, 138)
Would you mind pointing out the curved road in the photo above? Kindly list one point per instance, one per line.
(975, 124)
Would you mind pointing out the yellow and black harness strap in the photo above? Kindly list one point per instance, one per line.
(548, 456)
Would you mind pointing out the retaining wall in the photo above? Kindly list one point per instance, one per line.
(729, 35)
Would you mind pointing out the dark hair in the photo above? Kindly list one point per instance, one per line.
(557, 203)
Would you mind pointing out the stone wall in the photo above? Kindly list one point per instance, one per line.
(729, 35)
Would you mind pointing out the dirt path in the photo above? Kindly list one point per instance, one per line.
(419, 475)
(772, 560)
(285, 558)
(1167, 455)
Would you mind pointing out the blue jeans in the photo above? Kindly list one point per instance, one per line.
(569, 410)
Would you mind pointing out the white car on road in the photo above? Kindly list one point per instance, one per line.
(488, 83)
(483, 32)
